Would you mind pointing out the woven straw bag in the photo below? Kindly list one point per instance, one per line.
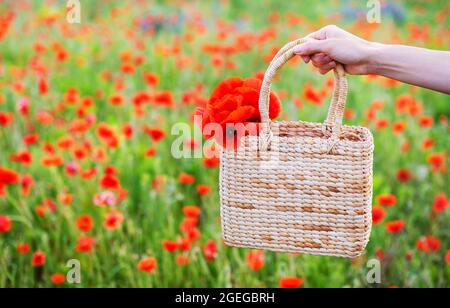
(299, 187)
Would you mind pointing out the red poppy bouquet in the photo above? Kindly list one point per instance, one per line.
(232, 111)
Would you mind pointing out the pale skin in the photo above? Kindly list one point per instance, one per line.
(416, 66)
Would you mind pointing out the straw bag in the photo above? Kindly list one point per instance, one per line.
(299, 187)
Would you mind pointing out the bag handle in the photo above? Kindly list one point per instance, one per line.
(337, 105)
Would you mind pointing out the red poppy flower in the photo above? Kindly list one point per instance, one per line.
(234, 101)
(379, 253)
(386, 200)
(5, 224)
(203, 190)
(156, 134)
(426, 121)
(210, 251)
(147, 265)
(182, 260)
(113, 220)
(291, 282)
(447, 257)
(428, 244)
(436, 160)
(185, 178)
(8, 176)
(23, 248)
(378, 214)
(403, 175)
(440, 203)
(6, 118)
(170, 246)
(109, 182)
(398, 127)
(85, 244)
(255, 260)
(192, 211)
(85, 223)
(395, 226)
(427, 143)
(58, 278)
(38, 259)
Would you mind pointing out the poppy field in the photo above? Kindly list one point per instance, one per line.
(87, 170)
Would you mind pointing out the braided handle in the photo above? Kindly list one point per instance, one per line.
(337, 105)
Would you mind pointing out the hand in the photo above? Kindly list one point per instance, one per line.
(332, 44)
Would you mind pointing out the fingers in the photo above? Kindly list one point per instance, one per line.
(317, 51)
(312, 47)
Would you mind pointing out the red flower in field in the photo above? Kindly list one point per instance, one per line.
(427, 143)
(203, 190)
(395, 226)
(428, 244)
(381, 123)
(440, 203)
(184, 243)
(156, 134)
(148, 265)
(185, 178)
(23, 157)
(107, 135)
(379, 253)
(399, 127)
(212, 162)
(403, 175)
(188, 224)
(151, 79)
(5, 224)
(426, 121)
(234, 101)
(436, 160)
(6, 118)
(7, 177)
(210, 250)
(52, 160)
(38, 259)
(192, 211)
(26, 182)
(255, 260)
(312, 95)
(127, 130)
(378, 214)
(170, 246)
(182, 260)
(58, 278)
(113, 220)
(447, 257)
(386, 200)
(291, 282)
(23, 248)
(85, 223)
(150, 152)
(116, 99)
(164, 98)
(109, 182)
(158, 183)
(85, 244)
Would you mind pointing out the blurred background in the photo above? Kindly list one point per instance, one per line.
(86, 170)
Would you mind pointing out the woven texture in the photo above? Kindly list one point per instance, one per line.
(299, 187)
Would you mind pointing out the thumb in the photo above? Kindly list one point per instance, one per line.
(312, 47)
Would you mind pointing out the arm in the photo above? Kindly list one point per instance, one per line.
(417, 66)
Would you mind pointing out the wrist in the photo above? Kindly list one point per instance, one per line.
(374, 58)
